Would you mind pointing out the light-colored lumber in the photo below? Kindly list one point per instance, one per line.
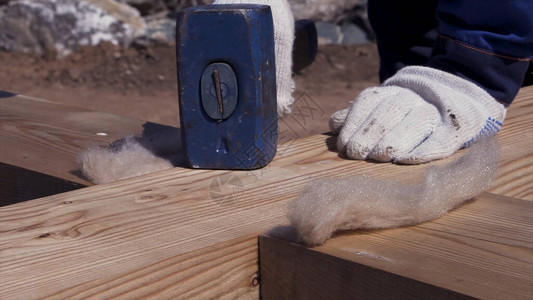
(516, 174)
(169, 234)
(482, 250)
(46, 137)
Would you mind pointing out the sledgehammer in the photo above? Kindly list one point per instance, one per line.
(227, 84)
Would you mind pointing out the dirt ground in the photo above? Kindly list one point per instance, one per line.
(141, 83)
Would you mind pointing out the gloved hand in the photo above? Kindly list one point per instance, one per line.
(418, 115)
(283, 42)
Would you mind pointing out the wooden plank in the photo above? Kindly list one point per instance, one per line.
(516, 174)
(46, 137)
(109, 240)
(482, 250)
(211, 272)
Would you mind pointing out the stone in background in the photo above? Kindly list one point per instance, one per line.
(179, 5)
(338, 21)
(347, 34)
(324, 10)
(63, 26)
(146, 7)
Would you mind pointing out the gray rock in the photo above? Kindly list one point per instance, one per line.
(66, 25)
(334, 11)
(146, 7)
(328, 33)
(160, 29)
(323, 10)
(353, 35)
(348, 34)
(178, 5)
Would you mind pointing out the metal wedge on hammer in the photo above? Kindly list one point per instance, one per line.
(227, 84)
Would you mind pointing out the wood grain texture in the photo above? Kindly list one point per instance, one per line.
(516, 174)
(170, 234)
(46, 137)
(482, 250)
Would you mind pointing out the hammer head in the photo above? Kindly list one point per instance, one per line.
(227, 86)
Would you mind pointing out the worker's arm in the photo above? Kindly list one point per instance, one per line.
(457, 94)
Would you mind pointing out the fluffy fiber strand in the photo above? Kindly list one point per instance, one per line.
(123, 159)
(360, 202)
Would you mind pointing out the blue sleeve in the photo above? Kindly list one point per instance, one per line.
(489, 42)
(502, 27)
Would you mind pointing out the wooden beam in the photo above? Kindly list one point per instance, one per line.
(46, 137)
(482, 250)
(172, 233)
(516, 174)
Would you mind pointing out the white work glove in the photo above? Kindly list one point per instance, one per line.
(283, 42)
(418, 115)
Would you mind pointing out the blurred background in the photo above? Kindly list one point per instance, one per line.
(118, 56)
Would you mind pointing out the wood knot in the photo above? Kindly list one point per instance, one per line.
(149, 198)
(255, 281)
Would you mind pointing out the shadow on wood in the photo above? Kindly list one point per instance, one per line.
(4, 94)
(18, 185)
(482, 250)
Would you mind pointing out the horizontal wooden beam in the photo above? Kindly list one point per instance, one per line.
(46, 137)
(483, 250)
(177, 232)
(516, 174)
